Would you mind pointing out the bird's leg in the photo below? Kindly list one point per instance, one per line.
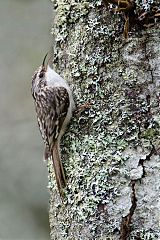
(82, 108)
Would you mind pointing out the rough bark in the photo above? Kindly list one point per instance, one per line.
(111, 150)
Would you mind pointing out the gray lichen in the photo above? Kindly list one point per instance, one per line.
(110, 144)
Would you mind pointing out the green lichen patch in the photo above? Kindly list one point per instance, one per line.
(110, 74)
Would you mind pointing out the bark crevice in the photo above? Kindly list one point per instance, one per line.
(126, 221)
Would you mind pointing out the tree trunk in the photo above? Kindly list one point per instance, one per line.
(111, 149)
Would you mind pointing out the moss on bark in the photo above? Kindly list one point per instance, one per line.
(111, 151)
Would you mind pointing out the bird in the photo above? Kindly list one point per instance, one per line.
(54, 107)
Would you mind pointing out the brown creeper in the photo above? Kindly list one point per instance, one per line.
(54, 106)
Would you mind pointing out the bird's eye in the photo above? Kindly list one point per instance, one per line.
(41, 74)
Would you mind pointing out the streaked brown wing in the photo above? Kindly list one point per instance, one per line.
(51, 108)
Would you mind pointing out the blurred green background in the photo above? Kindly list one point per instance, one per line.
(24, 39)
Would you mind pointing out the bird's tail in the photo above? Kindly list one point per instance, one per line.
(58, 169)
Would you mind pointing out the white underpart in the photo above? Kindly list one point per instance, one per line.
(55, 80)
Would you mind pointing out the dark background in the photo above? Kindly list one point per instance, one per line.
(24, 39)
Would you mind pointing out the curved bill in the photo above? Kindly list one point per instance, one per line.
(43, 63)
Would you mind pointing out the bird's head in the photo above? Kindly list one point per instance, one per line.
(39, 77)
(40, 73)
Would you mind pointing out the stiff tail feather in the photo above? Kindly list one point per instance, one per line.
(58, 169)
